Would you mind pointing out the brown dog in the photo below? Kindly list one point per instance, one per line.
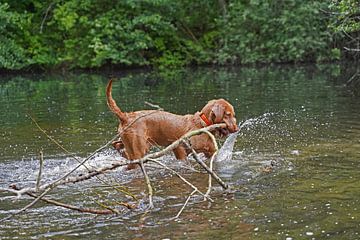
(154, 127)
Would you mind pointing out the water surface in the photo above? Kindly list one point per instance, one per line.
(294, 172)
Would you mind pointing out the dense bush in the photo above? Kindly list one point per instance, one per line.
(165, 33)
(276, 31)
(345, 23)
(12, 53)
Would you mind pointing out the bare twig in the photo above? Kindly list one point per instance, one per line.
(210, 179)
(43, 190)
(214, 175)
(46, 14)
(90, 156)
(154, 105)
(46, 188)
(182, 178)
(18, 193)
(186, 202)
(352, 49)
(68, 152)
(64, 180)
(148, 183)
(40, 170)
(72, 207)
(106, 207)
(348, 82)
(150, 157)
(211, 159)
(187, 31)
(27, 206)
(211, 162)
(186, 136)
(77, 158)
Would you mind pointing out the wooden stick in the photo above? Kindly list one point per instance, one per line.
(77, 158)
(214, 175)
(148, 183)
(72, 207)
(183, 207)
(65, 179)
(210, 178)
(40, 171)
(46, 188)
(182, 178)
(211, 162)
(27, 206)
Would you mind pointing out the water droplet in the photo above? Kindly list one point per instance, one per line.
(309, 233)
(295, 152)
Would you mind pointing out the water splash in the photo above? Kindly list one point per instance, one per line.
(226, 151)
(24, 172)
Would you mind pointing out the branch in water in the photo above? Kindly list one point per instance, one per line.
(65, 179)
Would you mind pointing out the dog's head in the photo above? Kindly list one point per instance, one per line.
(221, 111)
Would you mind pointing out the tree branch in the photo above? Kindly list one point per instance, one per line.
(46, 188)
(148, 183)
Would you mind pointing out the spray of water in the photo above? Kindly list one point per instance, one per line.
(226, 151)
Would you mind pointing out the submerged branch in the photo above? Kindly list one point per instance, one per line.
(69, 206)
(183, 207)
(148, 183)
(39, 192)
(182, 178)
(41, 164)
(210, 171)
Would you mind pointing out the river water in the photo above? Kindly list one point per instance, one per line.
(294, 173)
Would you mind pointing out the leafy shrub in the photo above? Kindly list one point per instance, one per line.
(12, 53)
(167, 33)
(275, 31)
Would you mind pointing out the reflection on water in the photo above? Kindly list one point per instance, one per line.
(293, 172)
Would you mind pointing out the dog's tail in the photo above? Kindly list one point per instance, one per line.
(112, 104)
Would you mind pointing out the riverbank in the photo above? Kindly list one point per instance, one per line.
(165, 34)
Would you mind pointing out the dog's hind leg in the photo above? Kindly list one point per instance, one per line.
(180, 152)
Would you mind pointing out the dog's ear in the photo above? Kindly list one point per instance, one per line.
(217, 113)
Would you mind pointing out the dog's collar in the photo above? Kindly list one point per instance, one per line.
(205, 119)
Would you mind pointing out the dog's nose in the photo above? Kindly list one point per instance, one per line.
(236, 127)
(233, 128)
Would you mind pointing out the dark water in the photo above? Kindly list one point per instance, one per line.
(294, 172)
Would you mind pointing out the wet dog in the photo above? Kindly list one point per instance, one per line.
(142, 129)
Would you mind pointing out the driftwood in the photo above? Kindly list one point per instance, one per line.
(40, 191)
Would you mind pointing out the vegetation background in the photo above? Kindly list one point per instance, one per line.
(51, 34)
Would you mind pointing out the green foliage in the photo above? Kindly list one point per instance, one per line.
(346, 23)
(131, 33)
(347, 14)
(275, 31)
(167, 33)
(12, 53)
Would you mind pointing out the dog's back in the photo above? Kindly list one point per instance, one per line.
(142, 129)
